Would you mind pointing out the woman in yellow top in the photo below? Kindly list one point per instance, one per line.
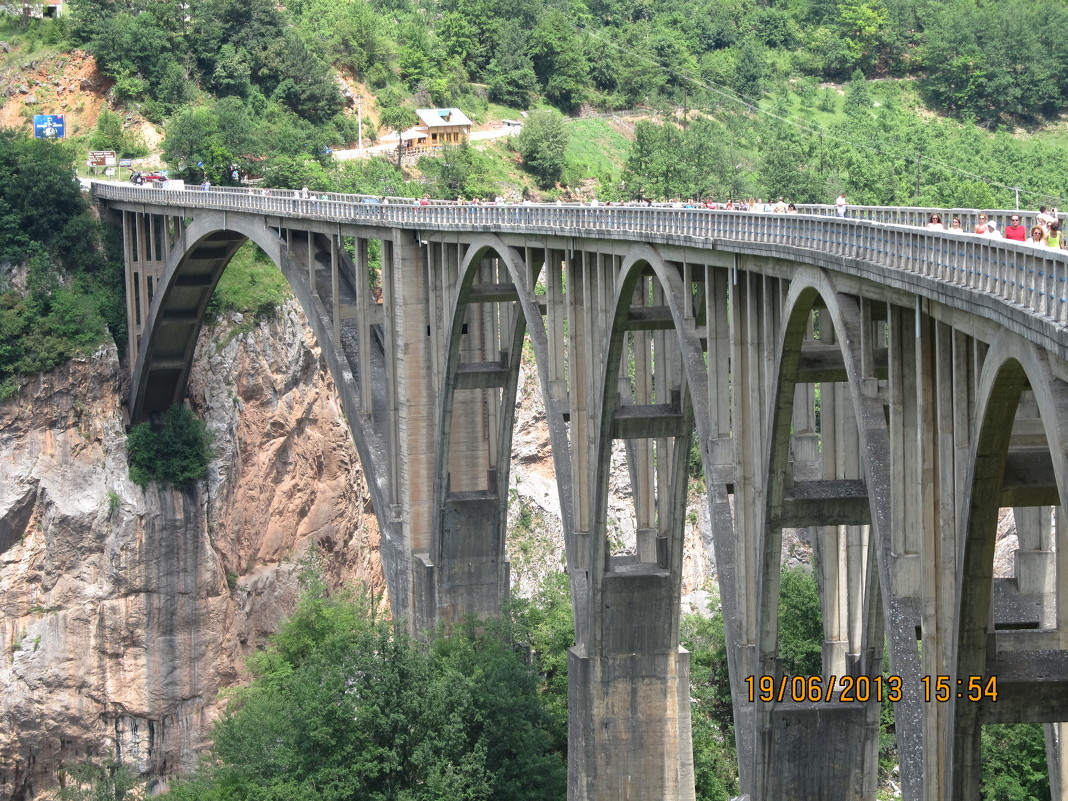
(1055, 239)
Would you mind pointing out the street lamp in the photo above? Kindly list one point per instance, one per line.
(359, 121)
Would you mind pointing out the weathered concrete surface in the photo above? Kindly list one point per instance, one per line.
(825, 751)
(642, 700)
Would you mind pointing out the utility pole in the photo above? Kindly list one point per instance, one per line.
(918, 157)
(1016, 189)
(359, 122)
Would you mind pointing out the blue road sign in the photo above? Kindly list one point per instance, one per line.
(48, 126)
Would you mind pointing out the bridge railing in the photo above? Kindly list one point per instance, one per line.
(1034, 278)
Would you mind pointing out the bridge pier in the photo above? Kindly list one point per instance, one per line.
(629, 704)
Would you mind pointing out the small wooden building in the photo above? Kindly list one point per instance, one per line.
(439, 126)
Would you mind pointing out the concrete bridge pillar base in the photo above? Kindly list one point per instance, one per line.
(452, 591)
(1057, 758)
(629, 727)
(817, 751)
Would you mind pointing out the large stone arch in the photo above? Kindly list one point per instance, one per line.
(1011, 367)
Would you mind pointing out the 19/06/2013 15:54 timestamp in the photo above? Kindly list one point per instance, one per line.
(861, 689)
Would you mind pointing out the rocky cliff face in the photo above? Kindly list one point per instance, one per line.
(123, 612)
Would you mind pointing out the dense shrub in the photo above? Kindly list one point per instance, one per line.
(343, 707)
(175, 452)
(73, 286)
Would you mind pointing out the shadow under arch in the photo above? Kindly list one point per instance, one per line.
(1011, 367)
(513, 284)
(882, 612)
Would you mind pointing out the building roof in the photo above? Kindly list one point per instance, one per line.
(437, 117)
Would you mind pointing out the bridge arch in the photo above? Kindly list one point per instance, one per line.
(629, 678)
(194, 266)
(197, 259)
(849, 508)
(491, 309)
(1012, 369)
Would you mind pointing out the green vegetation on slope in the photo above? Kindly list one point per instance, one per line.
(251, 284)
(72, 289)
(595, 149)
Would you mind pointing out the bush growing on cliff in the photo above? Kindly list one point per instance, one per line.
(109, 780)
(173, 453)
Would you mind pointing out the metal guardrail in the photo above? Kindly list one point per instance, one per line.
(1020, 274)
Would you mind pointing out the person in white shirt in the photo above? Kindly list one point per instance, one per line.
(840, 205)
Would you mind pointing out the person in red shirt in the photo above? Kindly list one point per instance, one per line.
(1016, 231)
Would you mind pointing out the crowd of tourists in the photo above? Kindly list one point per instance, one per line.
(1046, 231)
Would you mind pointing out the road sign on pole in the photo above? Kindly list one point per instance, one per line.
(102, 158)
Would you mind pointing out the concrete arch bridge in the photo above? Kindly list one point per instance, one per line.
(889, 389)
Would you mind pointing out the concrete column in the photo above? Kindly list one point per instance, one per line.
(413, 406)
(629, 705)
(1036, 560)
(363, 331)
(335, 289)
(132, 278)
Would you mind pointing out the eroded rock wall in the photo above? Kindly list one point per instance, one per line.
(123, 612)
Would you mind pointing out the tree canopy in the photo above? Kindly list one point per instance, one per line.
(343, 707)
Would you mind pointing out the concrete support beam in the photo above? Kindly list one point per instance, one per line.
(1029, 480)
(370, 315)
(826, 503)
(649, 318)
(822, 362)
(1032, 687)
(492, 293)
(482, 375)
(649, 421)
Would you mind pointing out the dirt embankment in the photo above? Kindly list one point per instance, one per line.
(68, 84)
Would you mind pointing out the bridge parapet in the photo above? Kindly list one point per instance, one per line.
(1023, 276)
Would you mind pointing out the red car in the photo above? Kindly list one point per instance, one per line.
(148, 177)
